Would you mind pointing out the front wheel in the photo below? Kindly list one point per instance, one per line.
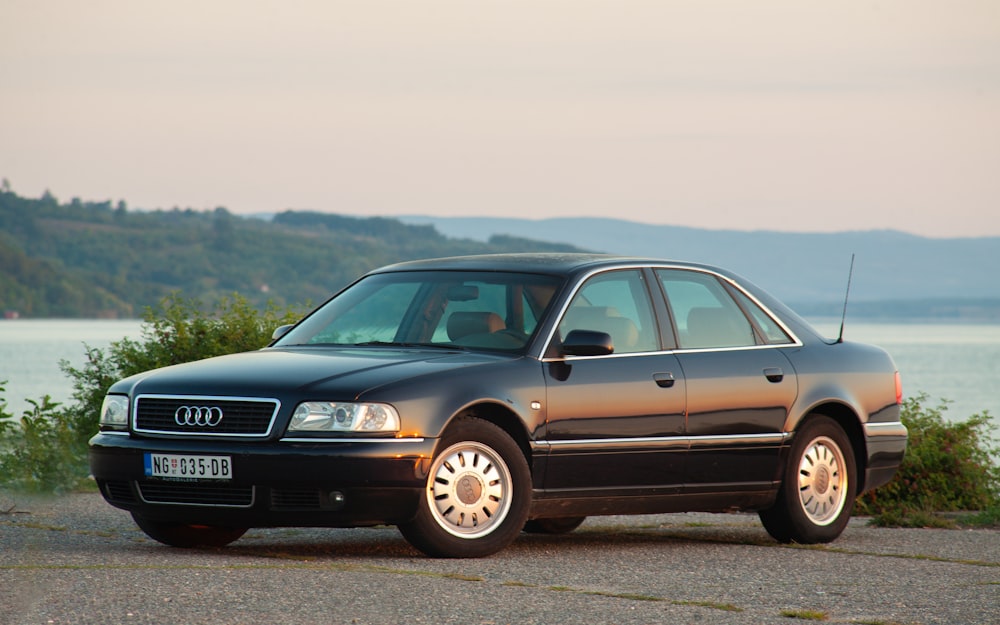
(816, 497)
(188, 536)
(477, 495)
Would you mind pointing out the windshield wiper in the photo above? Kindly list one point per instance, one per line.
(448, 346)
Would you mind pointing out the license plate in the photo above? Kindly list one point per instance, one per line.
(189, 467)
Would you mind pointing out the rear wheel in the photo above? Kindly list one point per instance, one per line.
(561, 525)
(188, 536)
(477, 496)
(816, 498)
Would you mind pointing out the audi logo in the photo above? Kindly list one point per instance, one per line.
(201, 416)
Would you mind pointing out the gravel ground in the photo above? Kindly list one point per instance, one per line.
(74, 559)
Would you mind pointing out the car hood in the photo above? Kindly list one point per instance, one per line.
(342, 373)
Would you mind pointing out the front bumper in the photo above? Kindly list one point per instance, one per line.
(320, 484)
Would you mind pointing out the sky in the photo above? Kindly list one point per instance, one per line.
(788, 115)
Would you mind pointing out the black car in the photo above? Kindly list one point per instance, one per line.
(467, 399)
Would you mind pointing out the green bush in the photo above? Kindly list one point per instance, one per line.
(46, 450)
(949, 466)
(39, 452)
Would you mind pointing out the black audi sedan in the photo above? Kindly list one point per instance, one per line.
(468, 399)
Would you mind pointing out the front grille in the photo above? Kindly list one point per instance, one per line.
(192, 494)
(242, 416)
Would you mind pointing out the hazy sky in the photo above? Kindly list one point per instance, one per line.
(801, 115)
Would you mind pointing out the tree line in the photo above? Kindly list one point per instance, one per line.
(99, 259)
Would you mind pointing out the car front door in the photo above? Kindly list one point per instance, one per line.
(615, 421)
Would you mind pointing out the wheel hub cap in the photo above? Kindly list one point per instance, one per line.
(823, 488)
(822, 482)
(469, 490)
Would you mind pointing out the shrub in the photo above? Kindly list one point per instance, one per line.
(46, 450)
(949, 466)
(39, 452)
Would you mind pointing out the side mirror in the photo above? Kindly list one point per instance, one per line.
(281, 331)
(587, 343)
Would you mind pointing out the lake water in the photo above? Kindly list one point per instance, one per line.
(958, 362)
(31, 349)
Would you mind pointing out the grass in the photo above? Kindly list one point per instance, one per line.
(989, 518)
(806, 615)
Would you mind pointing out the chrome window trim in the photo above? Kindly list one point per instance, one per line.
(796, 341)
(625, 355)
(197, 398)
(693, 350)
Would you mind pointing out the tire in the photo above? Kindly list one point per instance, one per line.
(477, 496)
(562, 525)
(188, 536)
(816, 497)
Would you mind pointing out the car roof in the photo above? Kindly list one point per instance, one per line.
(551, 263)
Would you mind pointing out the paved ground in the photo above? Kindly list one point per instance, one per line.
(76, 560)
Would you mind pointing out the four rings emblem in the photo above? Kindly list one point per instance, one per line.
(202, 416)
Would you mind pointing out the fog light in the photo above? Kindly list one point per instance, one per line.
(336, 499)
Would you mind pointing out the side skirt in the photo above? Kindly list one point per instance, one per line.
(731, 497)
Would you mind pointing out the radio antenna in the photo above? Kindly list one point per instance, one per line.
(843, 317)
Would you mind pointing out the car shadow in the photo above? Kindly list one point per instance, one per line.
(386, 542)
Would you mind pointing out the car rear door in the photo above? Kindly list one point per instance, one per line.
(740, 386)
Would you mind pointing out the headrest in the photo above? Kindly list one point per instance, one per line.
(465, 323)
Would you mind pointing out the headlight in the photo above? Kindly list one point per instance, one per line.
(114, 413)
(316, 416)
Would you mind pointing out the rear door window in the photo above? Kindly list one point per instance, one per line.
(705, 315)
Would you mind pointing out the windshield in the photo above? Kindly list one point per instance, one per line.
(454, 309)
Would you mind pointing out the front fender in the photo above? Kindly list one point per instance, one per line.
(427, 404)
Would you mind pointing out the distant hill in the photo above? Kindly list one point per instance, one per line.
(896, 275)
(92, 259)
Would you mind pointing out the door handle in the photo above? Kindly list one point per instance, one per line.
(774, 374)
(664, 380)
